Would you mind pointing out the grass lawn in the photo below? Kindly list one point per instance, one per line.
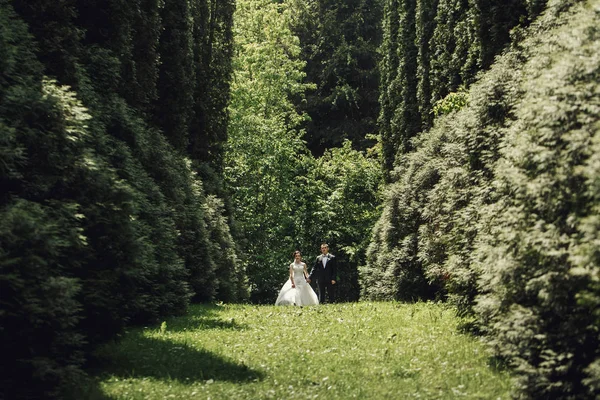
(355, 350)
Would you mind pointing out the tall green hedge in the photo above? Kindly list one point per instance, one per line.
(538, 244)
(105, 222)
(497, 207)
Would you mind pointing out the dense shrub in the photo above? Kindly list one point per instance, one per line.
(104, 223)
(53, 181)
(538, 246)
(41, 347)
(498, 207)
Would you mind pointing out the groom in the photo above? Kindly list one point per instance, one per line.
(325, 272)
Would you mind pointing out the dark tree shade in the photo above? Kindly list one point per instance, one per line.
(38, 242)
(213, 40)
(52, 23)
(339, 42)
(176, 82)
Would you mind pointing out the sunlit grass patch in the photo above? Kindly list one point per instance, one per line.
(353, 350)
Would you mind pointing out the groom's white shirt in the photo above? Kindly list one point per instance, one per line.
(325, 259)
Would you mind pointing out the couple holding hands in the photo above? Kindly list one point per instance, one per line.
(297, 290)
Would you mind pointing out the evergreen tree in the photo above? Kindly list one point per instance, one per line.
(432, 48)
(147, 25)
(539, 297)
(213, 33)
(389, 71)
(39, 241)
(118, 226)
(339, 42)
(496, 207)
(424, 25)
(176, 81)
(406, 119)
(54, 27)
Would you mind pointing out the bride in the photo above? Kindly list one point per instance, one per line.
(296, 290)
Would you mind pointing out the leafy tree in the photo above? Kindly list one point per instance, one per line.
(347, 187)
(265, 153)
(284, 199)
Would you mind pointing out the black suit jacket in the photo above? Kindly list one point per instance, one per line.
(327, 273)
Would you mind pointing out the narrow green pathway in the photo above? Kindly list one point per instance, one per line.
(357, 350)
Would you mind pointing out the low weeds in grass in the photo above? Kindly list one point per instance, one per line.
(355, 350)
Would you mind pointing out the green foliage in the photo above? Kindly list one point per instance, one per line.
(173, 110)
(452, 102)
(388, 67)
(53, 26)
(213, 41)
(339, 41)
(424, 25)
(283, 199)
(40, 342)
(265, 154)
(231, 283)
(143, 75)
(347, 190)
(46, 161)
(405, 118)
(460, 151)
(393, 269)
(430, 48)
(104, 223)
(538, 252)
(497, 207)
(456, 46)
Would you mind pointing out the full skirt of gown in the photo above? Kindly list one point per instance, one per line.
(302, 295)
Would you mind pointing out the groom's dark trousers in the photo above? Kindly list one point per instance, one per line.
(326, 286)
(324, 274)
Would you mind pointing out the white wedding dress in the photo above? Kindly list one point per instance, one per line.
(302, 295)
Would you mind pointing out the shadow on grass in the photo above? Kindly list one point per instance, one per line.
(202, 317)
(87, 390)
(138, 356)
(498, 364)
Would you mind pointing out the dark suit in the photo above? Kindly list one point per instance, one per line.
(324, 274)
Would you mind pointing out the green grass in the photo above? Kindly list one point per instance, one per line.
(355, 350)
